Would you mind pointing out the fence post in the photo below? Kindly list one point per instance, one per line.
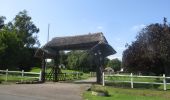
(103, 79)
(164, 81)
(77, 75)
(6, 78)
(40, 75)
(22, 75)
(131, 79)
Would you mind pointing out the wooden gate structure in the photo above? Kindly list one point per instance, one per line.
(95, 43)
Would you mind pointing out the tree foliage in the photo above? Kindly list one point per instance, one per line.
(9, 44)
(17, 42)
(115, 64)
(26, 29)
(150, 53)
(80, 60)
(2, 18)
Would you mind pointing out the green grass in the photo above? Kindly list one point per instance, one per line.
(14, 78)
(136, 79)
(129, 94)
(35, 69)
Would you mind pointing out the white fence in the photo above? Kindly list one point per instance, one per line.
(92, 74)
(131, 79)
(22, 74)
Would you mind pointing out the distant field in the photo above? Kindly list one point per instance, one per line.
(129, 94)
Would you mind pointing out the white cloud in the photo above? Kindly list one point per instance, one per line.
(99, 27)
(137, 28)
(115, 56)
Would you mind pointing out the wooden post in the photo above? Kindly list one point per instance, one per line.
(43, 68)
(55, 74)
(131, 79)
(40, 76)
(99, 74)
(56, 68)
(77, 74)
(22, 76)
(99, 70)
(6, 79)
(164, 81)
(103, 80)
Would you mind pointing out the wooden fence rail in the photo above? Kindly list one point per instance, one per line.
(132, 81)
(22, 74)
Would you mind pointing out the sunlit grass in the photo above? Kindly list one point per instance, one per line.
(129, 94)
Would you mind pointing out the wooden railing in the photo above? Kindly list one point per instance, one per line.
(22, 74)
(131, 80)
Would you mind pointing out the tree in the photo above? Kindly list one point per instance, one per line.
(150, 52)
(80, 60)
(26, 29)
(18, 42)
(115, 64)
(2, 18)
(9, 44)
(27, 33)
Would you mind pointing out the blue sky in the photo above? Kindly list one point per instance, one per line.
(119, 20)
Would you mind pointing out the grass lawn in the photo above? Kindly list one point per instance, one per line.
(129, 94)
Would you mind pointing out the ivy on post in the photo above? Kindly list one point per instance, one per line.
(43, 68)
(99, 70)
(56, 68)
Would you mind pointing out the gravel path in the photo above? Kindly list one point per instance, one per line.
(46, 91)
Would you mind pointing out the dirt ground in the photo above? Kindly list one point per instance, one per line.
(46, 91)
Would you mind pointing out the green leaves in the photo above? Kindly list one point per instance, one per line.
(26, 30)
(150, 53)
(115, 64)
(80, 60)
(17, 42)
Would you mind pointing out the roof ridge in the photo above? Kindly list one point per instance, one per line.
(101, 34)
